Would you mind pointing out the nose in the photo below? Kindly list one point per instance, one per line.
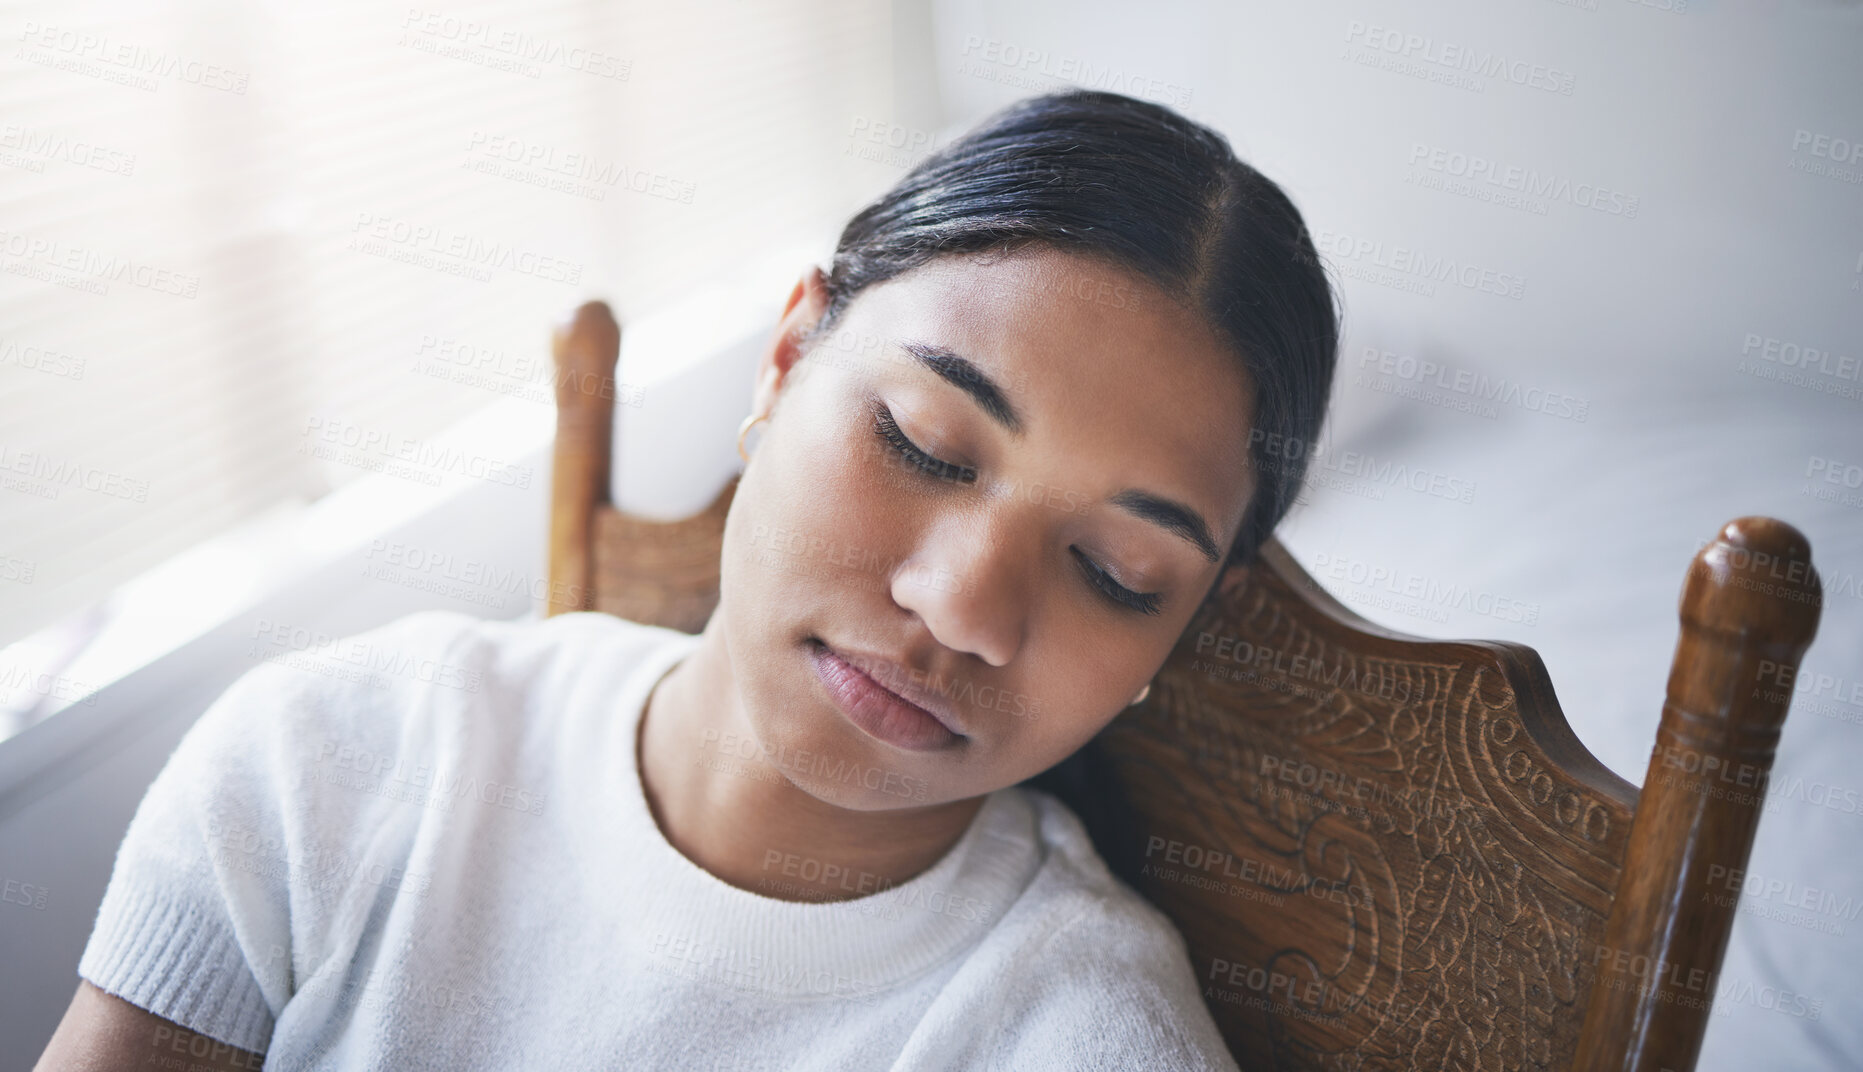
(967, 580)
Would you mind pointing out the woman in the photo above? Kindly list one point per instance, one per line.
(1008, 443)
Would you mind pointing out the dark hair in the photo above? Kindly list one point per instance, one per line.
(1144, 188)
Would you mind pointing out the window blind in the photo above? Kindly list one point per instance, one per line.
(251, 252)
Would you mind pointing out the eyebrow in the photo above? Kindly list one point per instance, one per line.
(1169, 514)
(958, 371)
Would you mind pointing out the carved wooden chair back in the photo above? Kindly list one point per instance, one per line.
(1384, 852)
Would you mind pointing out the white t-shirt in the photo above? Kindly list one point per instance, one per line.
(427, 846)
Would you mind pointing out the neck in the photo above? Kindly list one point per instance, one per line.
(743, 821)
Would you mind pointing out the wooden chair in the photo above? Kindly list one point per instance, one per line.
(1384, 852)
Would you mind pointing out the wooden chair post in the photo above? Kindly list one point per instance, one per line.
(1750, 607)
(585, 349)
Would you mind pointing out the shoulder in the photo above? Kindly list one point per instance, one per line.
(305, 683)
(421, 663)
(310, 776)
(1102, 977)
(345, 729)
(323, 708)
(1078, 891)
(310, 695)
(218, 882)
(521, 651)
(312, 664)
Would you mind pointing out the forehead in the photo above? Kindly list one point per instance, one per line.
(1107, 371)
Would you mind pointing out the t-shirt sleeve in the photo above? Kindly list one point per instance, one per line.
(196, 924)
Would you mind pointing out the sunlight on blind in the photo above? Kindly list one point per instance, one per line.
(250, 252)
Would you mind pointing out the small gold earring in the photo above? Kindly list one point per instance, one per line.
(1140, 698)
(744, 430)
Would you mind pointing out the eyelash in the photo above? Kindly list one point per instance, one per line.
(1143, 602)
(888, 429)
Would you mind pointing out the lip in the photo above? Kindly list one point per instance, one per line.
(878, 710)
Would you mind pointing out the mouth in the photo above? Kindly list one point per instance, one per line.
(877, 710)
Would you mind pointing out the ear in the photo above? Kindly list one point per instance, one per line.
(801, 313)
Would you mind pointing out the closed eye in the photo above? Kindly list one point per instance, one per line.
(1143, 602)
(888, 429)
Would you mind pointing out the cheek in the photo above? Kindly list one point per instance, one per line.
(1082, 686)
(811, 538)
(1088, 672)
(789, 493)
(822, 514)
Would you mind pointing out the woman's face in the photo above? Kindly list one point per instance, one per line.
(998, 488)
